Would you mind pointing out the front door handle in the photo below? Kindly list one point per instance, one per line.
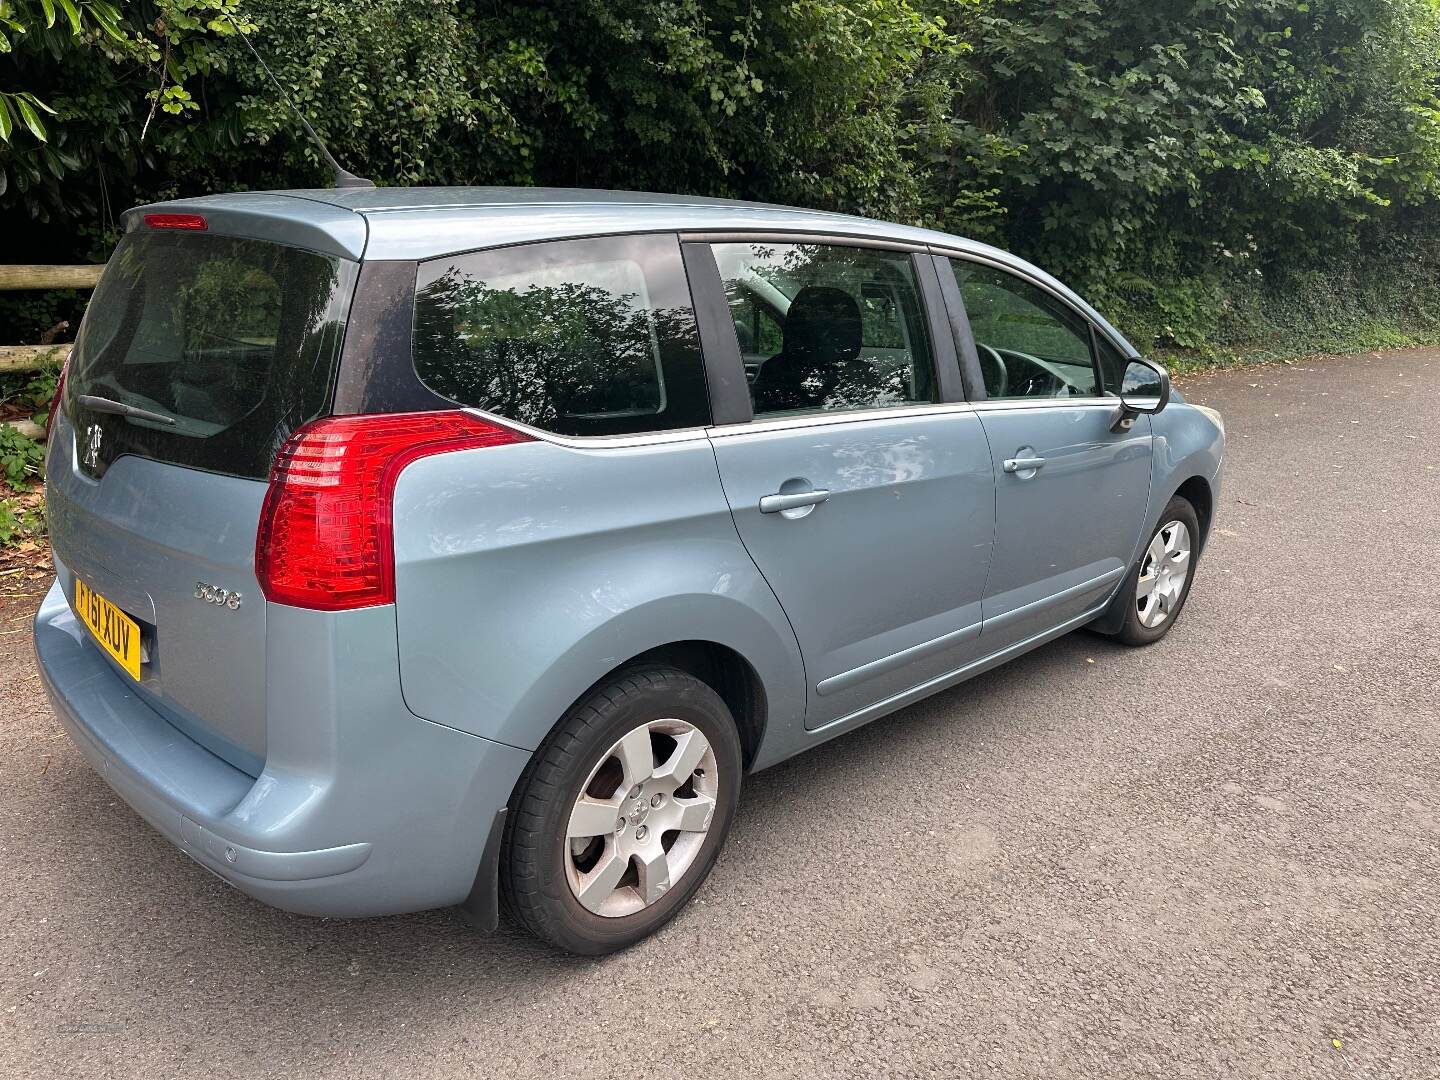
(778, 504)
(1024, 464)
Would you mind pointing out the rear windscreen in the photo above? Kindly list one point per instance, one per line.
(228, 343)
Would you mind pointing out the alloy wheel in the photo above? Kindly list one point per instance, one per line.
(1162, 574)
(641, 818)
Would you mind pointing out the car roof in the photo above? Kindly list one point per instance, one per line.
(379, 199)
(429, 222)
(420, 223)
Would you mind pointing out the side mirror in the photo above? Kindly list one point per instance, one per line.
(1144, 388)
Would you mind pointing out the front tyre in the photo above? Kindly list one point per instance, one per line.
(623, 811)
(1159, 584)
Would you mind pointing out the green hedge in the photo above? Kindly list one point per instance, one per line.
(1225, 177)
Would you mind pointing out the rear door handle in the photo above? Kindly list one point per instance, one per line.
(775, 504)
(1023, 464)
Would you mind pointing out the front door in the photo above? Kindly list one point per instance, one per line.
(1071, 495)
(865, 500)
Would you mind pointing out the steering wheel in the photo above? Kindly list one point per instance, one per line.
(993, 371)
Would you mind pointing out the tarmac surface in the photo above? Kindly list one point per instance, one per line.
(1216, 857)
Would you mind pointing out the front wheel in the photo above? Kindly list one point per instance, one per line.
(1159, 584)
(623, 812)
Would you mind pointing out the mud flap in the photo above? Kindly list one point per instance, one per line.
(481, 908)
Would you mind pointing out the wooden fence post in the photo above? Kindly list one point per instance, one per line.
(38, 357)
(49, 277)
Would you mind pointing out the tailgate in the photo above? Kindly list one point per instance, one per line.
(203, 348)
(143, 538)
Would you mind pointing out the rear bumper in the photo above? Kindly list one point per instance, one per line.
(361, 809)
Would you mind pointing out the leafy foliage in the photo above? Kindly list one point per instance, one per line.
(22, 514)
(1172, 135)
(20, 459)
(19, 523)
(96, 71)
(1189, 163)
(30, 392)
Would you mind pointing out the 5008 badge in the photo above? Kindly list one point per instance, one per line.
(213, 594)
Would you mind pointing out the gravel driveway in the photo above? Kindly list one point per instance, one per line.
(1213, 858)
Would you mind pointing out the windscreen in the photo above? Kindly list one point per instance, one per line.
(205, 351)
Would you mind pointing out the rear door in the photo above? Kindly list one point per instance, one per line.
(1071, 494)
(217, 347)
(862, 488)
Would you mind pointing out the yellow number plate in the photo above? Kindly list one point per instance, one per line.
(117, 633)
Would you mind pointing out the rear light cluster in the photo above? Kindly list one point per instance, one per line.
(325, 540)
(55, 401)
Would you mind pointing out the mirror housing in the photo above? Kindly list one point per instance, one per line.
(1144, 388)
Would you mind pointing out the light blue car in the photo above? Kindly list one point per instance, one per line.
(425, 547)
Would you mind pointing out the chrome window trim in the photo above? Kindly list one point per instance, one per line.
(790, 423)
(827, 419)
(1088, 401)
(848, 416)
(593, 442)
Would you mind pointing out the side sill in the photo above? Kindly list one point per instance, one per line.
(960, 674)
(1024, 611)
(854, 676)
(846, 679)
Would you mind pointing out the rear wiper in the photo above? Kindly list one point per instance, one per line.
(119, 408)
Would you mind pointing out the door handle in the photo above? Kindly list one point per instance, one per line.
(776, 504)
(1023, 464)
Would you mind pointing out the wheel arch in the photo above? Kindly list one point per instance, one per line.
(729, 674)
(1187, 457)
(1199, 494)
(719, 667)
(752, 663)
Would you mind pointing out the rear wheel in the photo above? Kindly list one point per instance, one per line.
(621, 815)
(1160, 583)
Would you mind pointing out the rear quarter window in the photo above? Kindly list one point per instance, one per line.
(577, 337)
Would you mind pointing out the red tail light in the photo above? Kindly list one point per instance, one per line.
(325, 538)
(176, 221)
(55, 401)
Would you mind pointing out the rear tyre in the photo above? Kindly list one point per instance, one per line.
(622, 812)
(1160, 582)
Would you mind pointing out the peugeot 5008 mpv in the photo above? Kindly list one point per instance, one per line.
(470, 546)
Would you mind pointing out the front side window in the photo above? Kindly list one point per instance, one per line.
(1031, 344)
(578, 337)
(842, 327)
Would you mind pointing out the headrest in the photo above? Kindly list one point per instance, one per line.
(823, 324)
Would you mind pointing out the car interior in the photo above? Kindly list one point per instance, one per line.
(848, 340)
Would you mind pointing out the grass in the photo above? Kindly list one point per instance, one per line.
(1218, 358)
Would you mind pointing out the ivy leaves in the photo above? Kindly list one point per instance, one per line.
(1093, 137)
(1121, 135)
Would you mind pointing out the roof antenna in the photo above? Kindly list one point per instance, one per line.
(343, 177)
